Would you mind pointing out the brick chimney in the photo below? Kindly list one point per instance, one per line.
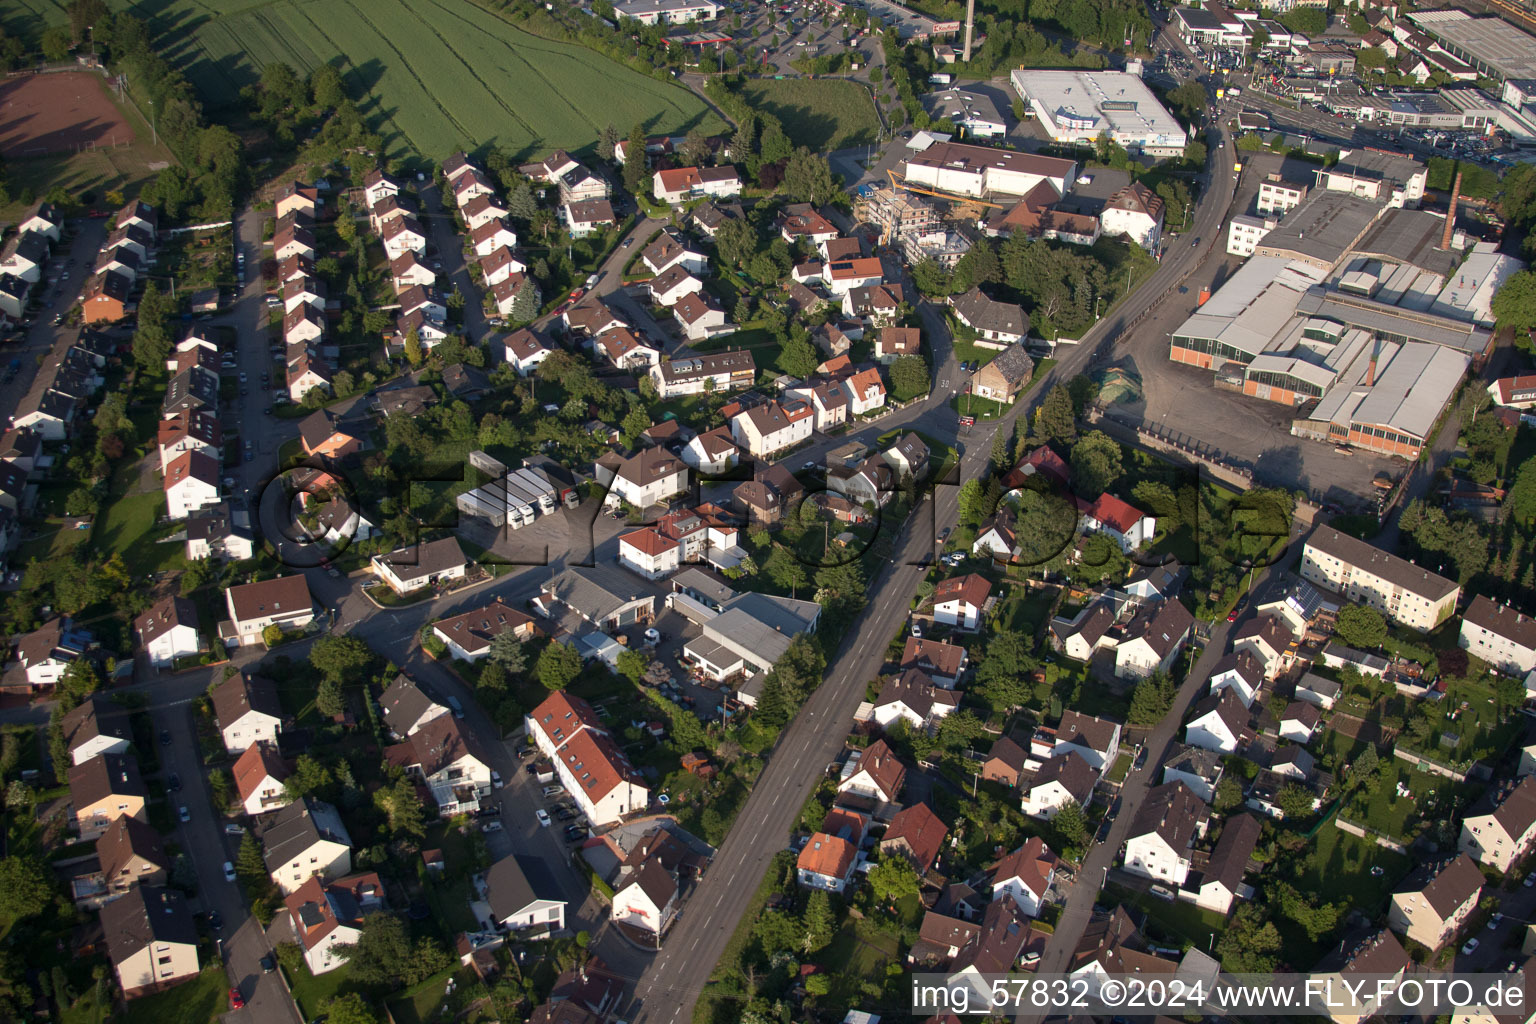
(1450, 213)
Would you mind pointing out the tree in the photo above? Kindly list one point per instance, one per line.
(1250, 943)
(151, 342)
(735, 243)
(351, 1008)
(55, 43)
(249, 864)
(808, 178)
(909, 378)
(607, 141)
(893, 878)
(785, 569)
(309, 774)
(1002, 446)
(25, 890)
(340, 657)
(799, 357)
(508, 651)
(402, 807)
(632, 666)
(1151, 699)
(1360, 627)
(383, 954)
(820, 922)
(521, 203)
(1055, 420)
(413, 351)
(1294, 801)
(328, 699)
(634, 159)
(1071, 827)
(1514, 304)
(635, 423)
(1229, 794)
(1194, 153)
(525, 302)
(558, 666)
(1096, 462)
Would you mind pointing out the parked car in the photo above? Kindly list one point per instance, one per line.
(553, 791)
(543, 816)
(495, 826)
(184, 814)
(236, 1000)
(1470, 947)
(229, 872)
(457, 708)
(268, 963)
(238, 831)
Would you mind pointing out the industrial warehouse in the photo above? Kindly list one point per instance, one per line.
(1079, 106)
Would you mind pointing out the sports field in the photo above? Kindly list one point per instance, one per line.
(433, 75)
(58, 113)
(820, 113)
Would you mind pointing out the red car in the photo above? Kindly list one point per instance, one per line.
(236, 1000)
(578, 293)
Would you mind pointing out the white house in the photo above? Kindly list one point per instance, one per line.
(712, 453)
(1025, 875)
(284, 602)
(416, 566)
(1161, 842)
(913, 698)
(525, 350)
(699, 317)
(1136, 212)
(1221, 881)
(305, 840)
(590, 765)
(1299, 721)
(1153, 640)
(168, 631)
(773, 426)
(673, 249)
(649, 477)
(1217, 723)
(406, 707)
(481, 209)
(647, 899)
(247, 710)
(448, 761)
(650, 554)
(1500, 828)
(1196, 767)
(1500, 635)
(1095, 740)
(1126, 524)
(96, 726)
(516, 905)
(326, 916)
(1266, 640)
(1062, 780)
(259, 775)
(191, 482)
(1239, 672)
(195, 430)
(960, 600)
(876, 780)
(469, 635)
(826, 862)
(151, 939)
(490, 237)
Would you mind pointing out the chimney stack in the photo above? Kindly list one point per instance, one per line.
(970, 29)
(1450, 213)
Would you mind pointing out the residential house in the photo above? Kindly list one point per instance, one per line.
(1126, 524)
(43, 219)
(283, 602)
(625, 350)
(323, 438)
(130, 853)
(1240, 672)
(305, 840)
(1220, 883)
(295, 197)
(894, 342)
(942, 662)
(104, 788)
(302, 324)
(769, 496)
(522, 897)
(424, 564)
(399, 236)
(1364, 574)
(328, 915)
(259, 776)
(842, 276)
(1431, 905)
(908, 457)
(168, 631)
(1375, 960)
(711, 453)
(24, 256)
(1266, 640)
(104, 298)
(13, 301)
(377, 185)
(1004, 763)
(1499, 829)
(406, 707)
(1161, 842)
(672, 284)
(151, 940)
(649, 477)
(1314, 689)
(1095, 740)
(247, 711)
(212, 533)
(506, 291)
(875, 781)
(998, 325)
(1299, 721)
(408, 271)
(699, 317)
(679, 184)
(1136, 212)
(195, 430)
(1004, 377)
(191, 482)
(134, 239)
(1025, 875)
(1218, 723)
(491, 237)
(917, 834)
(866, 484)
(97, 725)
(960, 600)
(773, 426)
(997, 539)
(1499, 635)
(589, 763)
(290, 239)
(1153, 640)
(482, 209)
(587, 216)
(994, 949)
(826, 862)
(1060, 781)
(800, 220)
(1197, 767)
(673, 249)
(693, 375)
(304, 291)
(448, 761)
(525, 350)
(912, 697)
(469, 635)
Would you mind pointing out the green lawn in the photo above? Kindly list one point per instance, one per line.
(1432, 796)
(1337, 869)
(91, 1008)
(1171, 922)
(856, 956)
(127, 527)
(419, 1004)
(311, 992)
(198, 1001)
(821, 113)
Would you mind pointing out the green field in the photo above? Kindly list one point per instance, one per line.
(821, 113)
(432, 74)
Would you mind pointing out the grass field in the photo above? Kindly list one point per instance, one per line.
(197, 1001)
(433, 75)
(821, 113)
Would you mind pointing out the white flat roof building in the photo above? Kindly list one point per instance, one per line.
(667, 12)
(1468, 295)
(1079, 106)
